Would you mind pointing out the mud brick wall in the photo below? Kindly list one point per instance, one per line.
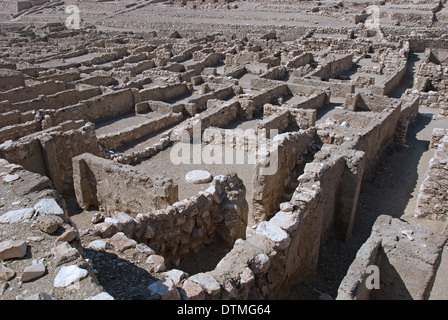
(102, 183)
(402, 275)
(432, 200)
(268, 189)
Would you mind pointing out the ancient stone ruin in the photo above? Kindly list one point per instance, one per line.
(218, 150)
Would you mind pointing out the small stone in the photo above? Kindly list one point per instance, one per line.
(106, 229)
(34, 239)
(69, 275)
(49, 207)
(6, 273)
(69, 235)
(286, 207)
(121, 243)
(176, 275)
(49, 224)
(198, 176)
(192, 291)
(143, 248)
(156, 263)
(247, 276)
(64, 253)
(17, 215)
(12, 249)
(164, 290)
(32, 272)
(98, 245)
(97, 218)
(274, 233)
(260, 263)
(11, 177)
(207, 282)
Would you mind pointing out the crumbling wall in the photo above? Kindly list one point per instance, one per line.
(165, 93)
(338, 88)
(104, 107)
(120, 138)
(218, 115)
(333, 68)
(279, 253)
(300, 60)
(268, 189)
(10, 79)
(405, 271)
(377, 134)
(301, 118)
(432, 200)
(57, 100)
(33, 91)
(217, 214)
(267, 95)
(391, 82)
(102, 183)
(50, 152)
(16, 131)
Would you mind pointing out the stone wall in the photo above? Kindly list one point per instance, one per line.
(120, 138)
(332, 68)
(104, 107)
(49, 152)
(392, 81)
(57, 100)
(221, 114)
(405, 272)
(285, 156)
(338, 88)
(377, 134)
(16, 131)
(165, 93)
(32, 92)
(278, 254)
(102, 183)
(432, 200)
(10, 79)
(217, 214)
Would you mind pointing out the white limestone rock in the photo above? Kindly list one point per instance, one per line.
(198, 176)
(69, 275)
